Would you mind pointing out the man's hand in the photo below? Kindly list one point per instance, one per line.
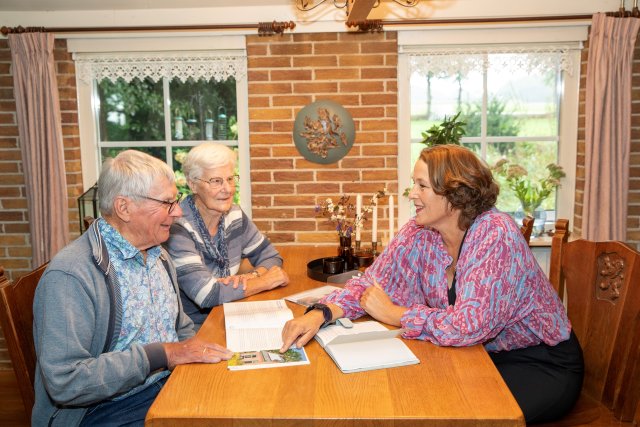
(194, 350)
(301, 329)
(378, 305)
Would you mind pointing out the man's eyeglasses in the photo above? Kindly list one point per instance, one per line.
(216, 183)
(172, 205)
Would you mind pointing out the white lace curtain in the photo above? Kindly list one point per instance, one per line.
(463, 60)
(183, 66)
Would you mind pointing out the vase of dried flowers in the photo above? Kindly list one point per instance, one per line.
(343, 214)
(346, 252)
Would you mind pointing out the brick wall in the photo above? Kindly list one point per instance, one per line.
(15, 248)
(15, 245)
(579, 194)
(359, 71)
(633, 212)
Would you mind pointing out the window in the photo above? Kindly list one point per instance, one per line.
(132, 115)
(162, 103)
(518, 101)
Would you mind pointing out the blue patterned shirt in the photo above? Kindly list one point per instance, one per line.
(149, 303)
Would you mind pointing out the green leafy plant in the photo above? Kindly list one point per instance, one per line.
(530, 192)
(450, 131)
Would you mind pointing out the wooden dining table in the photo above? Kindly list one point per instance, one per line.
(449, 387)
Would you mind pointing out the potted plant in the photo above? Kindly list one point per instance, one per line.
(531, 193)
(450, 131)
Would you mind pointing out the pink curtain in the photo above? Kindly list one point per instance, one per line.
(40, 130)
(608, 127)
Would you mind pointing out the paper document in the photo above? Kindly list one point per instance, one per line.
(312, 296)
(366, 346)
(254, 333)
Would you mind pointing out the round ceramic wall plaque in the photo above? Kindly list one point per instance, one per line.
(324, 132)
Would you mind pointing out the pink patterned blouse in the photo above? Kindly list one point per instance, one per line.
(503, 299)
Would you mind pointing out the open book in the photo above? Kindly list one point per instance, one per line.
(254, 334)
(366, 346)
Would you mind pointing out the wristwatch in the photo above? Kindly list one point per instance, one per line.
(326, 312)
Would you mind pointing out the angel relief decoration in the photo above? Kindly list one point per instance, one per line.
(323, 132)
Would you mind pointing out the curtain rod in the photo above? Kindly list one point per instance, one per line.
(275, 27)
(377, 24)
(264, 28)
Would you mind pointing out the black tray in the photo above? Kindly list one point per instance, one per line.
(314, 270)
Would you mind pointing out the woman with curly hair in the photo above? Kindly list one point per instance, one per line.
(458, 274)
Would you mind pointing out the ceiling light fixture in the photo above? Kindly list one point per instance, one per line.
(307, 5)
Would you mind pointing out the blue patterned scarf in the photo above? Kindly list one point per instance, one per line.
(216, 246)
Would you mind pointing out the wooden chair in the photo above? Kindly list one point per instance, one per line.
(602, 285)
(17, 323)
(87, 221)
(527, 227)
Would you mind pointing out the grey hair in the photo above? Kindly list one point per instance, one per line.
(208, 155)
(130, 174)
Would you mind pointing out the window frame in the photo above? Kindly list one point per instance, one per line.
(88, 105)
(412, 41)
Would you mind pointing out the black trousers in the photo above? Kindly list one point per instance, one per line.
(545, 380)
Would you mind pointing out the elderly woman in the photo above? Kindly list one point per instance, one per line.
(210, 241)
(458, 274)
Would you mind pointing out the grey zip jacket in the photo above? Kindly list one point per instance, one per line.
(77, 315)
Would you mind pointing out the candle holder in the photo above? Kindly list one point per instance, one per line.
(363, 259)
(374, 249)
(357, 245)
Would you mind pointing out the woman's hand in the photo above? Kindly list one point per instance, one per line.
(194, 350)
(253, 284)
(270, 279)
(301, 329)
(378, 305)
(275, 277)
(236, 280)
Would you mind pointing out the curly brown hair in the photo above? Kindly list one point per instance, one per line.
(463, 179)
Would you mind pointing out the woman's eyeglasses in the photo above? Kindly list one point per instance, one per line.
(172, 205)
(217, 182)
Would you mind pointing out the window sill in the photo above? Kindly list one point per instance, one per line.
(544, 241)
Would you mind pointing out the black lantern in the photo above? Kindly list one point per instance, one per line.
(88, 206)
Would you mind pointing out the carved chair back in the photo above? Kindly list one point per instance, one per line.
(527, 227)
(602, 285)
(16, 315)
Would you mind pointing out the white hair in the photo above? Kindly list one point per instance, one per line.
(131, 174)
(208, 155)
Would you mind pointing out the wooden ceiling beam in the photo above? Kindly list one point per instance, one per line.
(360, 9)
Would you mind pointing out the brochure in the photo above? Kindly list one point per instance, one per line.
(312, 296)
(267, 359)
(366, 346)
(254, 333)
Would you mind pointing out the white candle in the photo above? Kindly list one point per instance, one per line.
(374, 231)
(391, 214)
(358, 215)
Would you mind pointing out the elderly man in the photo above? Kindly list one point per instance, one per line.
(108, 321)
